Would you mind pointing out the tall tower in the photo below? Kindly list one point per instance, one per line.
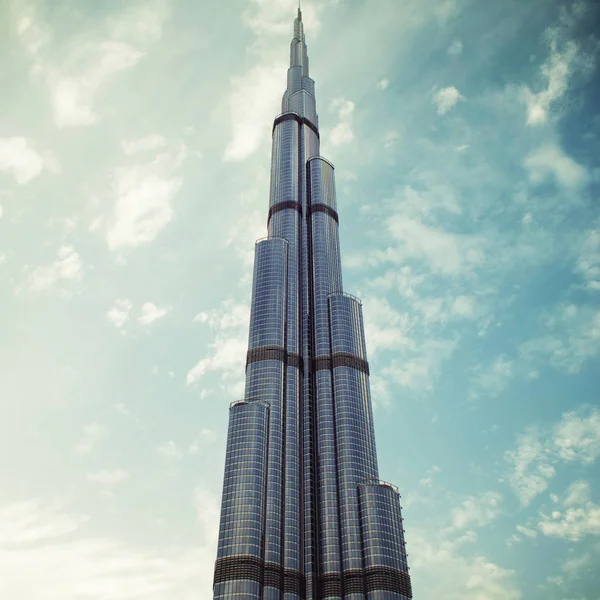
(304, 515)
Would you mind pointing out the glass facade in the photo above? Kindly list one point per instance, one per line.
(304, 515)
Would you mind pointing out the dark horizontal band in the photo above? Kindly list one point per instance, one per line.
(283, 206)
(329, 585)
(354, 582)
(341, 359)
(322, 363)
(232, 568)
(268, 574)
(300, 120)
(273, 573)
(294, 583)
(291, 359)
(326, 209)
(389, 580)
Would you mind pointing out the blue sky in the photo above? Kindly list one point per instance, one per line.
(134, 167)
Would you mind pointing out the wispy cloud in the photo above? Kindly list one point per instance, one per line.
(343, 132)
(227, 353)
(72, 96)
(566, 59)
(91, 435)
(580, 517)
(118, 315)
(383, 84)
(150, 142)
(170, 450)
(491, 379)
(574, 439)
(150, 313)
(477, 510)
(588, 262)
(108, 477)
(90, 60)
(458, 577)
(47, 554)
(550, 163)
(455, 48)
(253, 101)
(143, 195)
(446, 98)
(19, 158)
(67, 266)
(570, 338)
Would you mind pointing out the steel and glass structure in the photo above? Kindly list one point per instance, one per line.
(304, 515)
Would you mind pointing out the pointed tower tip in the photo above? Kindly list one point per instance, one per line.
(299, 10)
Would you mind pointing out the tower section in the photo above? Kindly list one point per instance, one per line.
(304, 515)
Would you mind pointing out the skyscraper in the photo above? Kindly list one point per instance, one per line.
(304, 515)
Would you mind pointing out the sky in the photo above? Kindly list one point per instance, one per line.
(134, 173)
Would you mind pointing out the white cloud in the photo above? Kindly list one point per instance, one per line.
(206, 438)
(530, 467)
(526, 531)
(565, 59)
(90, 436)
(571, 339)
(91, 60)
(575, 438)
(255, 97)
(150, 142)
(253, 101)
(549, 162)
(588, 263)
(573, 524)
(385, 328)
(492, 379)
(140, 23)
(31, 521)
(245, 230)
(108, 478)
(207, 507)
(45, 554)
(227, 353)
(383, 84)
(477, 510)
(420, 368)
(151, 312)
(273, 17)
(390, 139)
(343, 132)
(446, 98)
(445, 253)
(579, 492)
(572, 566)
(455, 48)
(439, 310)
(73, 96)
(457, 577)
(66, 267)
(445, 9)
(144, 193)
(118, 315)
(122, 409)
(170, 450)
(228, 356)
(19, 158)
(229, 316)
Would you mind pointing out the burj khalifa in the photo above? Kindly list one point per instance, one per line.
(304, 514)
